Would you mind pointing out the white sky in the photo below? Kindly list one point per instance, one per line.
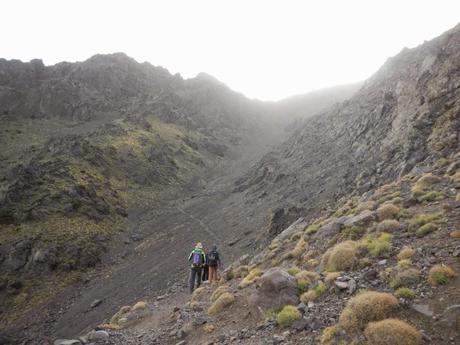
(265, 49)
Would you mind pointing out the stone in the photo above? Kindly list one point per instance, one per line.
(341, 285)
(67, 342)
(276, 289)
(364, 218)
(295, 227)
(182, 342)
(98, 336)
(382, 262)
(300, 325)
(352, 286)
(278, 339)
(423, 309)
(95, 303)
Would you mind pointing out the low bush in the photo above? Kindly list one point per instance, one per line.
(287, 316)
(293, 271)
(341, 257)
(387, 211)
(299, 249)
(366, 205)
(405, 277)
(431, 196)
(376, 246)
(221, 303)
(331, 277)
(251, 278)
(404, 292)
(392, 332)
(305, 279)
(424, 218)
(219, 291)
(388, 225)
(426, 229)
(308, 296)
(366, 307)
(406, 253)
(440, 275)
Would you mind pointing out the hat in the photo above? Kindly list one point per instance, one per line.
(199, 245)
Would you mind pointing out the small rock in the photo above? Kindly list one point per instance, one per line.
(95, 303)
(382, 262)
(451, 316)
(300, 325)
(341, 285)
(423, 309)
(278, 339)
(98, 335)
(67, 342)
(352, 286)
(182, 342)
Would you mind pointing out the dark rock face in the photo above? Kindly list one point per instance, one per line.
(276, 288)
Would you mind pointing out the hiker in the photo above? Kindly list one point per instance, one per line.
(205, 276)
(198, 258)
(214, 262)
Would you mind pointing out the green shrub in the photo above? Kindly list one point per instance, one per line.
(293, 271)
(388, 225)
(341, 257)
(392, 332)
(424, 218)
(313, 228)
(431, 196)
(387, 211)
(287, 316)
(376, 246)
(440, 275)
(426, 229)
(404, 292)
(320, 289)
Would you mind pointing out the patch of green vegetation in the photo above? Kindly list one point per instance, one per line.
(376, 246)
(431, 196)
(287, 316)
(320, 289)
(293, 271)
(313, 228)
(426, 229)
(354, 232)
(424, 218)
(404, 292)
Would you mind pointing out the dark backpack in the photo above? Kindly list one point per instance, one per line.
(213, 257)
(197, 258)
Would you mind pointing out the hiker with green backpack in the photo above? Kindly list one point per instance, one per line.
(197, 258)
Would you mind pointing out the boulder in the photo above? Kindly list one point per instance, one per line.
(451, 316)
(299, 225)
(276, 288)
(364, 218)
(98, 336)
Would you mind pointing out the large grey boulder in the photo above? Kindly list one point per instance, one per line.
(275, 289)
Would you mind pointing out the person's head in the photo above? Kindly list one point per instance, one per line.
(199, 245)
(214, 247)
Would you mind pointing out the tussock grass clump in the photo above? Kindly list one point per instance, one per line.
(219, 291)
(406, 253)
(366, 307)
(331, 277)
(115, 319)
(287, 316)
(387, 211)
(405, 277)
(440, 275)
(241, 271)
(293, 271)
(328, 335)
(404, 263)
(426, 229)
(221, 303)
(424, 218)
(388, 225)
(457, 197)
(312, 294)
(392, 332)
(376, 246)
(431, 196)
(341, 257)
(199, 294)
(313, 228)
(141, 305)
(305, 279)
(353, 233)
(299, 249)
(366, 205)
(404, 292)
(251, 278)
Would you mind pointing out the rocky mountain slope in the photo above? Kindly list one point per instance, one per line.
(106, 165)
(405, 117)
(362, 204)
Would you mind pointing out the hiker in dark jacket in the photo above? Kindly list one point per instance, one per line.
(197, 257)
(214, 262)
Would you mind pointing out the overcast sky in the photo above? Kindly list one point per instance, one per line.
(264, 49)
